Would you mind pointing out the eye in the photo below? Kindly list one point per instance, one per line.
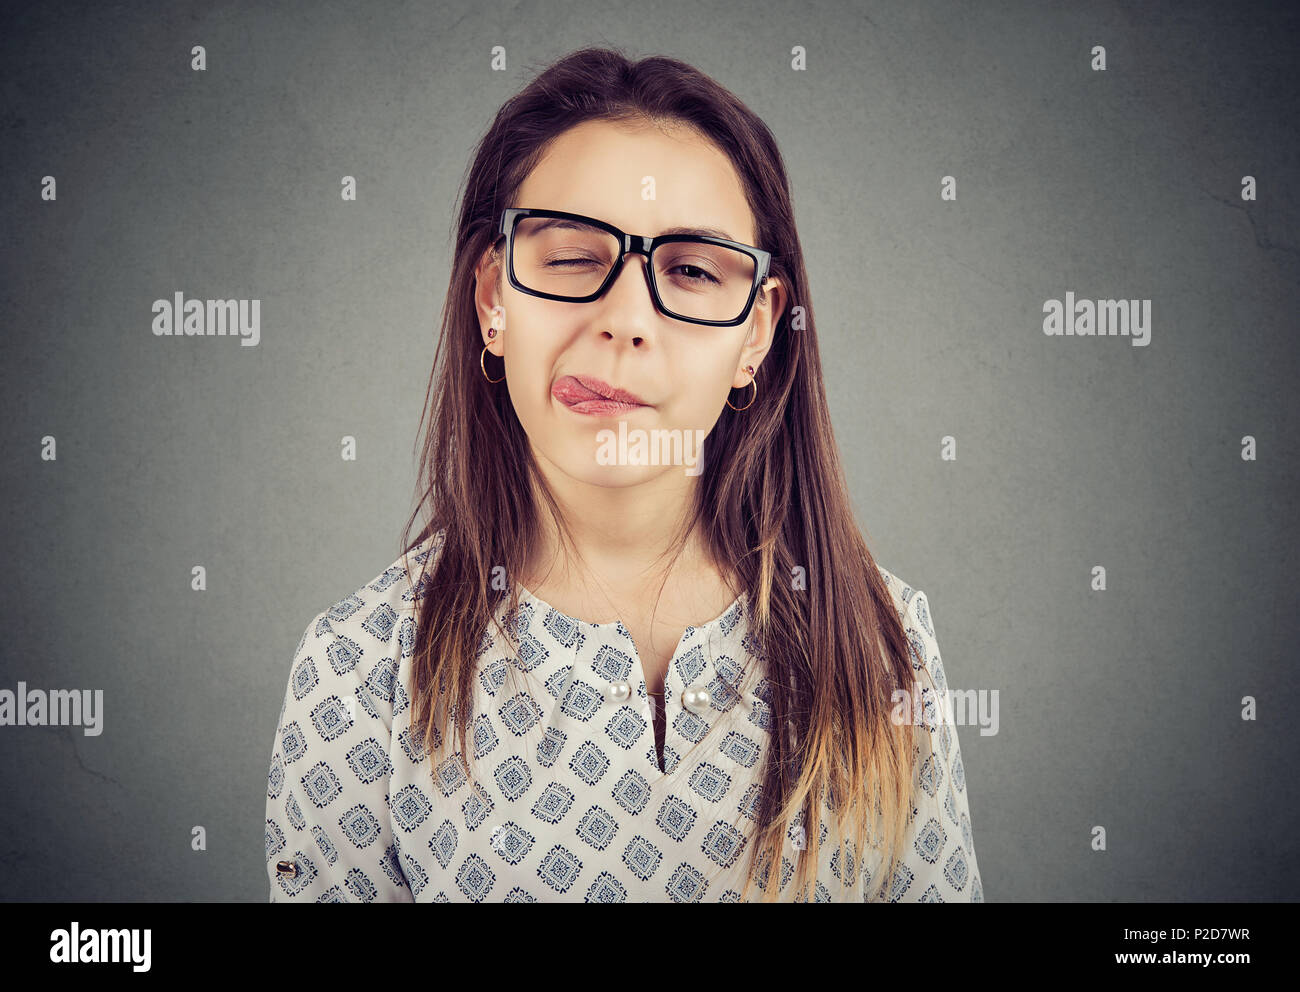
(562, 263)
(702, 275)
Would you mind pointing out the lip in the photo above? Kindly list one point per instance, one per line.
(587, 394)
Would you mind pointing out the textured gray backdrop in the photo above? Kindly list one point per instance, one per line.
(1119, 708)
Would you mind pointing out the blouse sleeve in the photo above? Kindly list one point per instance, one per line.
(329, 835)
(937, 863)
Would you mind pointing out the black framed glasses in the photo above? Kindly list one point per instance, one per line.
(563, 256)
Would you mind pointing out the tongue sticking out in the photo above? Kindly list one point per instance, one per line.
(581, 397)
(569, 390)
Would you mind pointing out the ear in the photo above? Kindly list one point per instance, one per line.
(768, 308)
(488, 301)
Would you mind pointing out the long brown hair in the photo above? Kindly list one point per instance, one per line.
(771, 499)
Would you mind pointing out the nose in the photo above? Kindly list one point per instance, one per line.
(624, 316)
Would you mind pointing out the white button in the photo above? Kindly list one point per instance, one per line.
(619, 691)
(696, 700)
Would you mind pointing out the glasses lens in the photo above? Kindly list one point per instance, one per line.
(703, 281)
(565, 257)
(561, 256)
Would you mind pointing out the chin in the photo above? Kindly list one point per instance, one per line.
(588, 456)
(609, 476)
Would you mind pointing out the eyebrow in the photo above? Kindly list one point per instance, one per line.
(706, 232)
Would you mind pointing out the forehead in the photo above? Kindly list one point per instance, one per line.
(607, 170)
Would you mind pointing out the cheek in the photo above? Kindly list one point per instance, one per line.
(700, 388)
(529, 367)
(535, 345)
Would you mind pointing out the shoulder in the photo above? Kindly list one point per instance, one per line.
(376, 622)
(375, 606)
(372, 607)
(913, 608)
(910, 602)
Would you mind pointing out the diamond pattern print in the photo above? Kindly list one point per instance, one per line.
(565, 799)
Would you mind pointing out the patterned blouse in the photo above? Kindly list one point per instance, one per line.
(569, 801)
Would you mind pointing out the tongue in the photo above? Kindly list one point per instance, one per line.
(570, 390)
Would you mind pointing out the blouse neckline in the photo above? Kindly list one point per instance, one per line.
(577, 660)
(616, 626)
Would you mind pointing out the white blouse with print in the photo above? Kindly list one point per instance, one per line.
(568, 802)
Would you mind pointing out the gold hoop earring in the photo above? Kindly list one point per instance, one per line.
(481, 359)
(752, 382)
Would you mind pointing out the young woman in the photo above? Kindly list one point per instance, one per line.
(617, 663)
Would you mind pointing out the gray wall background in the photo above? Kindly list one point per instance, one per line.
(1120, 708)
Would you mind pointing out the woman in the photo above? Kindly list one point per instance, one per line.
(569, 686)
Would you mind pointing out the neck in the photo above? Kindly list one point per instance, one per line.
(623, 538)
